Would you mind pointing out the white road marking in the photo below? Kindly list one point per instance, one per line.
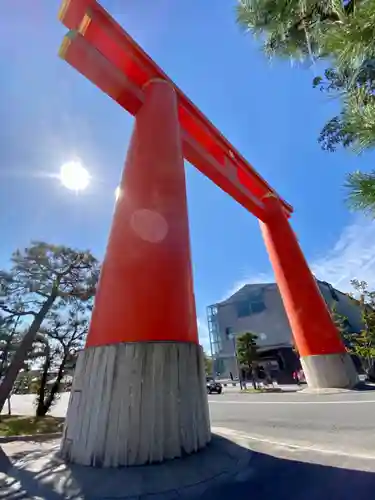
(236, 402)
(225, 432)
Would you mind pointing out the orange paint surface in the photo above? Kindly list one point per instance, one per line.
(313, 329)
(203, 145)
(146, 287)
(146, 290)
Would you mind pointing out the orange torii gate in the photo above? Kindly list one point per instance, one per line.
(138, 394)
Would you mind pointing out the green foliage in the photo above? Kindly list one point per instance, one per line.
(342, 33)
(208, 364)
(341, 323)
(16, 425)
(290, 28)
(64, 335)
(11, 333)
(9, 340)
(354, 127)
(361, 187)
(247, 353)
(247, 349)
(351, 41)
(363, 343)
(44, 280)
(45, 271)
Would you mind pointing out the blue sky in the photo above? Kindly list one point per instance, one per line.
(269, 111)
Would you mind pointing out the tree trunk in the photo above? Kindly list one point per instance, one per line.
(251, 373)
(7, 347)
(55, 387)
(9, 406)
(4, 357)
(40, 410)
(369, 363)
(21, 353)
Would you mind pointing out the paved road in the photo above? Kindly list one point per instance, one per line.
(330, 445)
(341, 422)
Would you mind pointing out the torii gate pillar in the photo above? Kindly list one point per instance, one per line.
(139, 393)
(325, 362)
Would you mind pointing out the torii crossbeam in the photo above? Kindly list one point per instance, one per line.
(139, 394)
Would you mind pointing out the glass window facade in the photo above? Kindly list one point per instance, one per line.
(213, 330)
(253, 304)
(243, 309)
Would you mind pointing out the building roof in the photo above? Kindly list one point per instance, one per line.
(246, 290)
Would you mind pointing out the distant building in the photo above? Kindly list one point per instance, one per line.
(258, 308)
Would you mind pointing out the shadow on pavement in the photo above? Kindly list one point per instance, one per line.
(5, 463)
(269, 477)
(363, 386)
(225, 470)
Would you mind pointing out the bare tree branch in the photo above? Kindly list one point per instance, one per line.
(14, 312)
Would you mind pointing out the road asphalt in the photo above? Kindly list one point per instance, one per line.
(283, 445)
(342, 423)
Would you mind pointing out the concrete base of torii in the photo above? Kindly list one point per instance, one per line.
(136, 403)
(329, 371)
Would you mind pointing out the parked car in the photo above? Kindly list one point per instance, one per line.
(213, 386)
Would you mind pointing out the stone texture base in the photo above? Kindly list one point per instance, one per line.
(136, 403)
(329, 371)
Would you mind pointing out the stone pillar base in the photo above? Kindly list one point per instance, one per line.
(136, 403)
(329, 371)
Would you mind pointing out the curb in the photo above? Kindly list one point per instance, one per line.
(360, 387)
(30, 437)
(263, 391)
(325, 391)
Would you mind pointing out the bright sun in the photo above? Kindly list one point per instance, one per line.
(74, 176)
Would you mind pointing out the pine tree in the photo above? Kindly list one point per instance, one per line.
(64, 335)
(247, 352)
(342, 33)
(292, 28)
(43, 279)
(363, 342)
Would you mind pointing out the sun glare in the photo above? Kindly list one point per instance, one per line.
(74, 176)
(117, 193)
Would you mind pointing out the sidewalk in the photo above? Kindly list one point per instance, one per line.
(38, 472)
(231, 467)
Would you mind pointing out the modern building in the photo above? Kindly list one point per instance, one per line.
(258, 308)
